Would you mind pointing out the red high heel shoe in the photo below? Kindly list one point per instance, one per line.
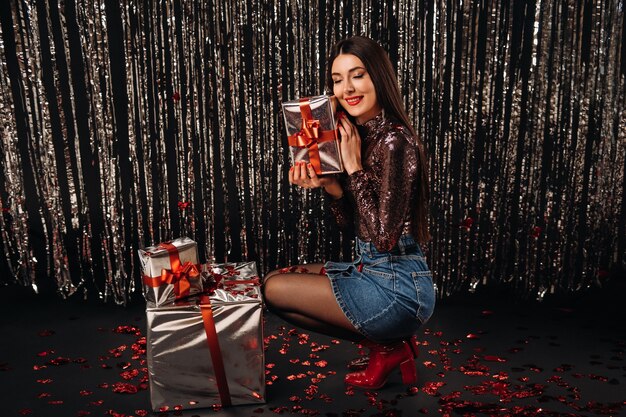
(383, 360)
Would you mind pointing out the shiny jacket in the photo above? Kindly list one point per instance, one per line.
(379, 201)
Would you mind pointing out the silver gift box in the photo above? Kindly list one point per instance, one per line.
(322, 112)
(180, 365)
(155, 258)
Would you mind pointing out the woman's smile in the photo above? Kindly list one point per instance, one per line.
(353, 101)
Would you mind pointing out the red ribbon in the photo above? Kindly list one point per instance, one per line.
(310, 135)
(178, 275)
(216, 352)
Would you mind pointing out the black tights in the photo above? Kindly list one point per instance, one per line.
(307, 300)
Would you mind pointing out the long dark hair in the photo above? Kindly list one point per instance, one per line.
(383, 76)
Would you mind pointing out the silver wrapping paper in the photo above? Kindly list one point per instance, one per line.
(180, 365)
(322, 111)
(155, 259)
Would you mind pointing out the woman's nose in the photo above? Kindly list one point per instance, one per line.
(348, 87)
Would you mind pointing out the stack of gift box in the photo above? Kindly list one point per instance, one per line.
(205, 335)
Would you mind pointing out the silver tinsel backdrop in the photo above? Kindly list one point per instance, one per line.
(125, 123)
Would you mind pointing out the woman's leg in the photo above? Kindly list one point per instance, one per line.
(305, 268)
(307, 300)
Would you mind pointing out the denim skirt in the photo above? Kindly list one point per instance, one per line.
(386, 295)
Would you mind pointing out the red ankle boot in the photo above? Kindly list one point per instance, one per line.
(383, 360)
(360, 363)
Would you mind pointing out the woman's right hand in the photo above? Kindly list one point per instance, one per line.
(303, 175)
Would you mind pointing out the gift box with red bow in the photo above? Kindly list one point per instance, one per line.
(312, 134)
(170, 271)
(208, 350)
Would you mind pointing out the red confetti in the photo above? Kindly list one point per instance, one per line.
(115, 413)
(472, 336)
(25, 411)
(59, 361)
(492, 358)
(429, 364)
(85, 393)
(44, 395)
(176, 96)
(127, 330)
(432, 388)
(311, 390)
(129, 374)
(44, 381)
(55, 402)
(321, 364)
(536, 232)
(486, 312)
(467, 223)
(46, 333)
(124, 388)
(326, 398)
(97, 403)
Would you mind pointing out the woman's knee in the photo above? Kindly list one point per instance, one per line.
(270, 289)
(271, 274)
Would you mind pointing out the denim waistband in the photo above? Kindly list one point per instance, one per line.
(406, 245)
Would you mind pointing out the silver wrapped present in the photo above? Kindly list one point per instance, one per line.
(170, 271)
(312, 134)
(209, 350)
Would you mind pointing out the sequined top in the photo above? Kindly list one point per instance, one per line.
(380, 200)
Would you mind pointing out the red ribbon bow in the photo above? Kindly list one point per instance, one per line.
(180, 278)
(179, 275)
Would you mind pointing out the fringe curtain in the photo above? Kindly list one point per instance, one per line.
(126, 123)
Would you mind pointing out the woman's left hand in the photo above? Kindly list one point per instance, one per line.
(350, 146)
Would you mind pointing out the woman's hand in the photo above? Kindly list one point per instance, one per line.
(350, 145)
(303, 175)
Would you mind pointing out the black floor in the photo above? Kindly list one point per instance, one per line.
(481, 355)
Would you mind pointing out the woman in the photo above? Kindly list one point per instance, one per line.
(382, 298)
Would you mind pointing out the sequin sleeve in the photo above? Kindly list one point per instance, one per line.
(382, 192)
(341, 211)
